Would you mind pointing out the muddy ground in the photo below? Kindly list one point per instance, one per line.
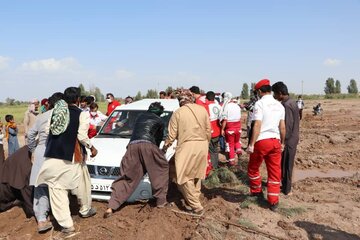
(326, 207)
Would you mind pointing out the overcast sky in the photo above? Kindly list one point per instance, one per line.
(126, 46)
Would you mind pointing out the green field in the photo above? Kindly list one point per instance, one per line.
(18, 111)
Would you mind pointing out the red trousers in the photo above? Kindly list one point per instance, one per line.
(270, 151)
(232, 138)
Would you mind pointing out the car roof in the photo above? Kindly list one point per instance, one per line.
(169, 104)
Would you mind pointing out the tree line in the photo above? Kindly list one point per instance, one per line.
(333, 87)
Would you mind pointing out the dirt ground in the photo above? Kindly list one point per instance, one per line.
(325, 203)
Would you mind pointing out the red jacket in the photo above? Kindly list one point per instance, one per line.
(112, 106)
(202, 101)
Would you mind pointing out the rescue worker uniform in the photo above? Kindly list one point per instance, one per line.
(214, 113)
(267, 148)
(232, 114)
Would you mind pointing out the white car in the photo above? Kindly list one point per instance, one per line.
(111, 142)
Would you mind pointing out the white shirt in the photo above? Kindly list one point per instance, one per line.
(97, 120)
(300, 103)
(269, 111)
(231, 112)
(214, 111)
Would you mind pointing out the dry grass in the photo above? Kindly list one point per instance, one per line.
(220, 176)
(291, 211)
(249, 200)
(247, 223)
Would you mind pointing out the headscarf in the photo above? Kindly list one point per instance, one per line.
(32, 107)
(44, 103)
(185, 97)
(227, 98)
(60, 118)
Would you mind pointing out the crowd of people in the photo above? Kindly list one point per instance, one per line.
(60, 128)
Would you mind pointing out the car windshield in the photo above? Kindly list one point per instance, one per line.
(121, 123)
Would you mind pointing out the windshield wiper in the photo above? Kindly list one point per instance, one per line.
(124, 135)
(114, 135)
(106, 134)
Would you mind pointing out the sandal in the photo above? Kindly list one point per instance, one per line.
(196, 212)
(165, 205)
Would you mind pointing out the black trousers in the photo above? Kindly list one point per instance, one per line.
(287, 166)
(214, 152)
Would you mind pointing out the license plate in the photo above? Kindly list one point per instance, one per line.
(101, 187)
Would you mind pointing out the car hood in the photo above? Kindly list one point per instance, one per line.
(112, 150)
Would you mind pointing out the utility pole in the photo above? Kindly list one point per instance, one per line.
(302, 87)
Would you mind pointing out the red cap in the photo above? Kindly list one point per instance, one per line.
(45, 100)
(263, 82)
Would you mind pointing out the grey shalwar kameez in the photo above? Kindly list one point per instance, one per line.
(292, 121)
(37, 136)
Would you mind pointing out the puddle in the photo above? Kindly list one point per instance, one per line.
(302, 174)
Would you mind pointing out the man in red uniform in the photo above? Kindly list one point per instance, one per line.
(230, 119)
(214, 113)
(266, 143)
(112, 103)
(199, 99)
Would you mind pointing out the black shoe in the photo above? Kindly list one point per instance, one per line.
(274, 207)
(259, 194)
